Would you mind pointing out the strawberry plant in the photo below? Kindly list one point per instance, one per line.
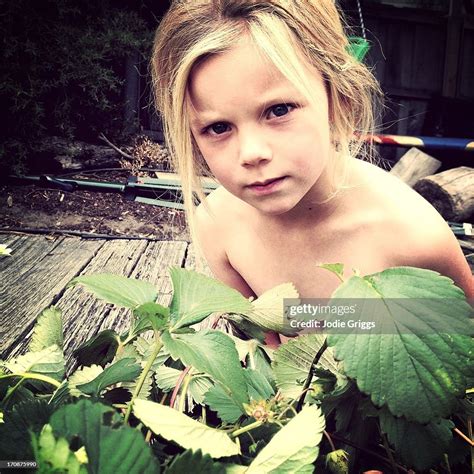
(169, 395)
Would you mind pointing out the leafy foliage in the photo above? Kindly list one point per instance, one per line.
(213, 353)
(185, 431)
(62, 70)
(294, 447)
(254, 409)
(111, 448)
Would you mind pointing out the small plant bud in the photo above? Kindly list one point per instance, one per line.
(338, 462)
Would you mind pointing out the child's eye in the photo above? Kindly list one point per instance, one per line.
(217, 128)
(279, 110)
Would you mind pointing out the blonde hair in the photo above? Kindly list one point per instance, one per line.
(288, 33)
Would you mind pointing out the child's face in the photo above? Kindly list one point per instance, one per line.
(260, 137)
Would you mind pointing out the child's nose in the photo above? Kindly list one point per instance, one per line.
(253, 148)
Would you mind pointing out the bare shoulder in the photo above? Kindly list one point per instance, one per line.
(414, 231)
(214, 220)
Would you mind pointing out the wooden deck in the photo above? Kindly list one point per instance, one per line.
(36, 275)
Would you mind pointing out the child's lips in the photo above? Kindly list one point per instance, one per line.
(267, 186)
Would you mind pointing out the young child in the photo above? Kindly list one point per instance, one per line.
(265, 96)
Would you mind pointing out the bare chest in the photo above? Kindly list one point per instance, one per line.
(265, 260)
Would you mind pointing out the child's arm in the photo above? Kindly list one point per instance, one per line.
(211, 242)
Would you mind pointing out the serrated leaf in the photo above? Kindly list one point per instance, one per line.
(213, 353)
(109, 450)
(148, 315)
(49, 361)
(54, 454)
(295, 447)
(81, 377)
(420, 364)
(196, 296)
(195, 462)
(292, 362)
(24, 417)
(419, 446)
(117, 289)
(166, 378)
(223, 404)
(267, 309)
(198, 387)
(100, 349)
(124, 370)
(48, 330)
(188, 433)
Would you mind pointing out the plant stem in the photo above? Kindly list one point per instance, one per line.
(141, 380)
(178, 386)
(31, 375)
(388, 451)
(328, 437)
(182, 401)
(309, 378)
(247, 428)
(464, 437)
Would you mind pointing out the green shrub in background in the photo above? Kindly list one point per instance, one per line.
(62, 70)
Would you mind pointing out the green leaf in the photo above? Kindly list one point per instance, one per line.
(197, 296)
(198, 387)
(258, 386)
(213, 353)
(188, 433)
(54, 454)
(150, 314)
(24, 417)
(49, 361)
(292, 362)
(48, 330)
(295, 447)
(124, 370)
(419, 446)
(221, 402)
(117, 289)
(109, 450)
(166, 377)
(419, 365)
(82, 377)
(267, 309)
(336, 268)
(100, 349)
(195, 462)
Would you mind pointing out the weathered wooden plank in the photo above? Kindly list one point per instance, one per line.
(27, 251)
(22, 299)
(82, 312)
(152, 266)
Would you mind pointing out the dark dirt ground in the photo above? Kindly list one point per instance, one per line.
(31, 207)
